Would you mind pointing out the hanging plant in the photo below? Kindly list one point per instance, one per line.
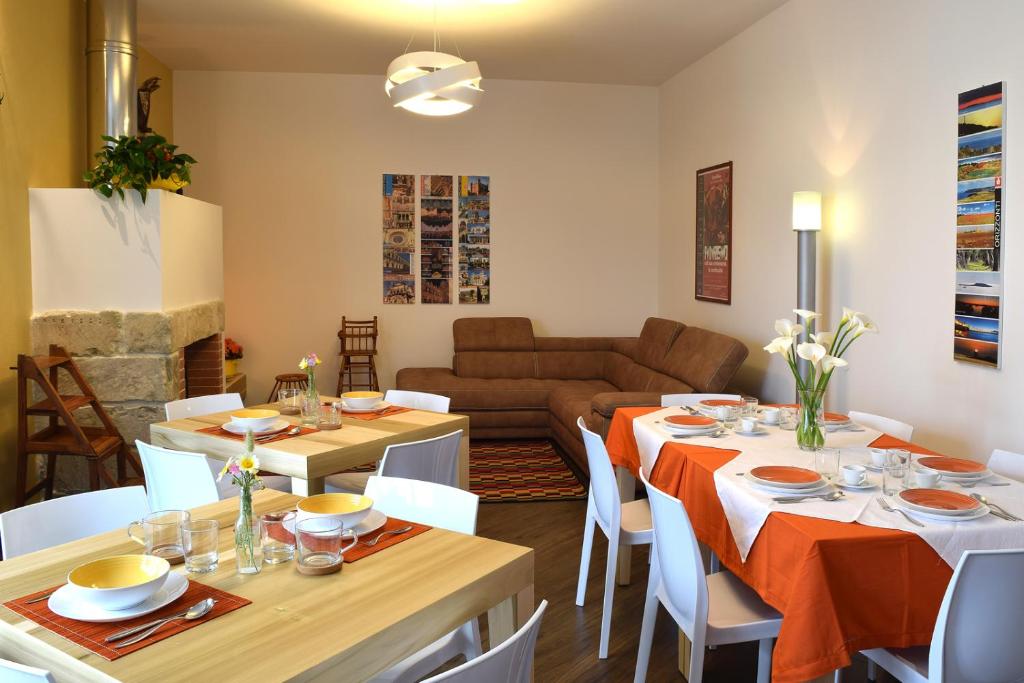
(137, 163)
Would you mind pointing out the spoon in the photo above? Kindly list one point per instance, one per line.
(291, 432)
(972, 484)
(985, 501)
(196, 611)
(834, 495)
(395, 532)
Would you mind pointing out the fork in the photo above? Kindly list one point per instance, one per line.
(889, 508)
(392, 532)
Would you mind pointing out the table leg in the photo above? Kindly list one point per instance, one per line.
(464, 462)
(685, 648)
(627, 488)
(308, 487)
(509, 615)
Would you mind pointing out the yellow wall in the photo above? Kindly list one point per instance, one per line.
(161, 115)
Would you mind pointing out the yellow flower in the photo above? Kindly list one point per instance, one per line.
(249, 463)
(302, 364)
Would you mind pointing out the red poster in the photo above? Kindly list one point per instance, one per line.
(714, 234)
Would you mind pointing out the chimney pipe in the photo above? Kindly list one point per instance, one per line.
(110, 55)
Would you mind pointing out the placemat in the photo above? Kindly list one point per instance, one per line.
(387, 412)
(91, 636)
(362, 550)
(224, 434)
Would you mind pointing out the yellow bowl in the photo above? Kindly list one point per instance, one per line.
(121, 581)
(256, 419)
(347, 508)
(361, 400)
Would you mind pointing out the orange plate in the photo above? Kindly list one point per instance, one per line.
(784, 474)
(939, 500)
(690, 420)
(953, 465)
(829, 417)
(715, 402)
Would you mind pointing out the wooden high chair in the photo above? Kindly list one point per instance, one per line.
(358, 349)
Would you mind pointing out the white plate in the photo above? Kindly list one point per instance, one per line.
(279, 425)
(756, 483)
(960, 476)
(914, 507)
(373, 521)
(756, 432)
(69, 604)
(944, 518)
(676, 429)
(380, 406)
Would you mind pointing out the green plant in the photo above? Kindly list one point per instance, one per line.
(133, 162)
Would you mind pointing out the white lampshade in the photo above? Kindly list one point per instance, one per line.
(433, 83)
(807, 210)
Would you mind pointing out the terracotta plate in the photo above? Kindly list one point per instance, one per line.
(715, 402)
(834, 418)
(939, 500)
(783, 474)
(690, 420)
(952, 465)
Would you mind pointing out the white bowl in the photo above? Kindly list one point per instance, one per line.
(362, 400)
(119, 582)
(255, 419)
(347, 508)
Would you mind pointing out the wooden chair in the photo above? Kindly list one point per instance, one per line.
(288, 380)
(63, 435)
(358, 349)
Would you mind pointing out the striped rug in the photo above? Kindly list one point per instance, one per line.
(505, 471)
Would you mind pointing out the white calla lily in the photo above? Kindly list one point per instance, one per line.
(849, 314)
(788, 328)
(829, 363)
(779, 345)
(865, 324)
(805, 315)
(823, 338)
(811, 352)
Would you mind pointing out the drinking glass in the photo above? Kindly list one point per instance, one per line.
(160, 533)
(318, 541)
(289, 399)
(199, 538)
(894, 477)
(749, 406)
(826, 463)
(787, 419)
(330, 416)
(277, 540)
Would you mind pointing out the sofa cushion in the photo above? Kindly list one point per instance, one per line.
(477, 393)
(655, 340)
(606, 403)
(493, 334)
(705, 360)
(495, 364)
(571, 399)
(626, 346)
(575, 343)
(571, 364)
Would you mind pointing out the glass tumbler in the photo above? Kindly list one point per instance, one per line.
(160, 533)
(318, 542)
(278, 537)
(787, 419)
(290, 401)
(330, 416)
(200, 539)
(894, 477)
(749, 406)
(826, 463)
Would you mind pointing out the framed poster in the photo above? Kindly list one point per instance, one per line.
(436, 201)
(474, 239)
(399, 238)
(713, 266)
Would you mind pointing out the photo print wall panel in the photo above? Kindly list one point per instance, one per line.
(436, 208)
(977, 317)
(474, 239)
(713, 269)
(399, 238)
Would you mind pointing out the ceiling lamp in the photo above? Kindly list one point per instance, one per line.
(433, 83)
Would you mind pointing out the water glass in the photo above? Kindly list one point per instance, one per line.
(894, 477)
(749, 406)
(787, 419)
(318, 542)
(826, 463)
(200, 539)
(160, 533)
(289, 400)
(277, 540)
(330, 416)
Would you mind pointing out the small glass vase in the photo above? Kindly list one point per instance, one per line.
(810, 426)
(311, 402)
(247, 539)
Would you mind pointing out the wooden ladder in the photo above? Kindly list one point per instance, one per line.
(63, 435)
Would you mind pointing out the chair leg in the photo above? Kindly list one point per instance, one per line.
(643, 655)
(588, 544)
(715, 565)
(470, 633)
(872, 671)
(609, 595)
(94, 474)
(697, 661)
(51, 474)
(764, 660)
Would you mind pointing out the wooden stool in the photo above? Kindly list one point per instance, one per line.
(288, 380)
(358, 348)
(63, 435)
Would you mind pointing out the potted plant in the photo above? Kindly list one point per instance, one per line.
(233, 353)
(138, 162)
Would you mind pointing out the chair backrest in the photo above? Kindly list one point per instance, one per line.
(202, 405)
(1007, 463)
(177, 480)
(61, 520)
(424, 502)
(435, 460)
(420, 400)
(358, 335)
(679, 562)
(886, 425)
(604, 490)
(977, 633)
(672, 400)
(12, 672)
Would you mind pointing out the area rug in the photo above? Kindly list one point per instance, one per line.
(522, 470)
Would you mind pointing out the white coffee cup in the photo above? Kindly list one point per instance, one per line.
(878, 457)
(770, 415)
(926, 479)
(748, 424)
(854, 475)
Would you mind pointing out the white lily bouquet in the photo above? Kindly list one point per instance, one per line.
(824, 354)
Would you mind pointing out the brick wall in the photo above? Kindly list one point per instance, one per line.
(204, 366)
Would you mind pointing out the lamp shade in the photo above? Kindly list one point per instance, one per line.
(807, 210)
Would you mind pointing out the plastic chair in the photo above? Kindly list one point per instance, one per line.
(419, 400)
(715, 609)
(628, 524)
(438, 506)
(176, 480)
(509, 662)
(62, 520)
(977, 633)
(435, 460)
(12, 672)
(886, 425)
(1007, 463)
(674, 400)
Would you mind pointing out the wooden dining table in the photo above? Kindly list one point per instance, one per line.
(347, 626)
(309, 458)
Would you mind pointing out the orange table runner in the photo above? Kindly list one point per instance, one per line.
(362, 550)
(840, 587)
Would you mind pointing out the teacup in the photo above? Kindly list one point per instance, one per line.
(926, 479)
(854, 475)
(770, 415)
(879, 457)
(748, 424)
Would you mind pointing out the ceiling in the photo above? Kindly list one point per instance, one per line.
(640, 42)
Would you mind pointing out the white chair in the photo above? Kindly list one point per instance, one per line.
(439, 506)
(177, 480)
(62, 520)
(510, 662)
(1007, 463)
(977, 634)
(435, 460)
(714, 609)
(217, 403)
(418, 399)
(682, 400)
(886, 425)
(625, 524)
(12, 672)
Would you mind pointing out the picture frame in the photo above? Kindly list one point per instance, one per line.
(713, 226)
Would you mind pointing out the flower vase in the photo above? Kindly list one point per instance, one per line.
(810, 433)
(311, 401)
(247, 550)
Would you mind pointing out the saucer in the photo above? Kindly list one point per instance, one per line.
(756, 432)
(382, 405)
(279, 425)
(863, 486)
(67, 603)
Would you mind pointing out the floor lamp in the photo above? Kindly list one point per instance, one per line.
(806, 224)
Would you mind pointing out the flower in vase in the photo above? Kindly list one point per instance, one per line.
(865, 324)
(823, 338)
(787, 328)
(830, 363)
(805, 315)
(811, 351)
(779, 345)
(249, 463)
(310, 360)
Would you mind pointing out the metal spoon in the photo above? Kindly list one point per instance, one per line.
(291, 432)
(985, 501)
(834, 495)
(972, 484)
(395, 532)
(196, 611)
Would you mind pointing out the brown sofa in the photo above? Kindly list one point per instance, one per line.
(512, 384)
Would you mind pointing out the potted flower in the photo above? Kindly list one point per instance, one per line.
(138, 162)
(824, 353)
(244, 471)
(233, 353)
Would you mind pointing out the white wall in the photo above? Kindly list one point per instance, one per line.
(858, 100)
(296, 162)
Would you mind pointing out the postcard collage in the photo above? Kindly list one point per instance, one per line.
(979, 280)
(436, 197)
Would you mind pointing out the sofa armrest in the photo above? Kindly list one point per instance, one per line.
(606, 403)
